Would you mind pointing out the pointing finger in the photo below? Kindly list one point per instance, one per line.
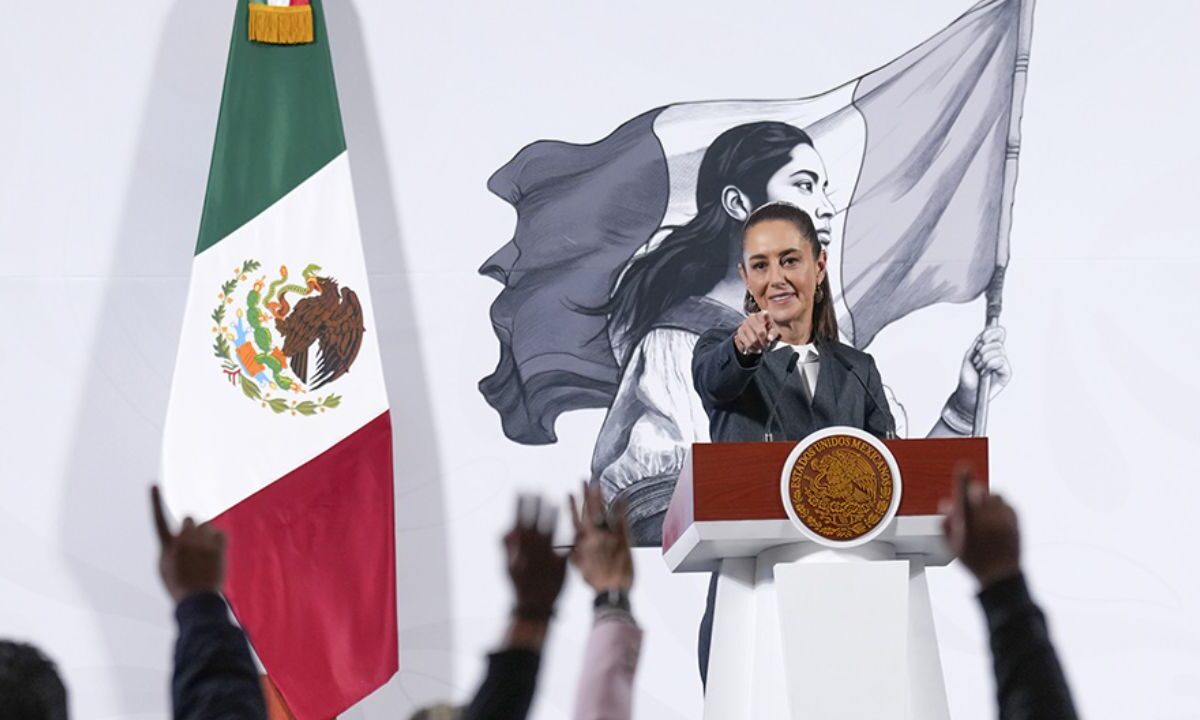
(575, 515)
(595, 498)
(160, 517)
(527, 511)
(535, 513)
(620, 511)
(977, 493)
(963, 478)
(547, 519)
(595, 517)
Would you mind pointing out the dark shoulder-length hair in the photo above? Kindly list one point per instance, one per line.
(824, 319)
(694, 257)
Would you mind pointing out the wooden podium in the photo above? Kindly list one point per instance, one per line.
(806, 631)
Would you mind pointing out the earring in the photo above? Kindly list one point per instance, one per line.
(750, 305)
(819, 295)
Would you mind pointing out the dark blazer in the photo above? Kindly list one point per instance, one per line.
(507, 691)
(738, 397)
(737, 394)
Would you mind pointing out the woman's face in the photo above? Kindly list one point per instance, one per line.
(803, 183)
(780, 271)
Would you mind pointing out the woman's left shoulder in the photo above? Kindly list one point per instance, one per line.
(852, 355)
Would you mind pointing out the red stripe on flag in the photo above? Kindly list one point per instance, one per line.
(312, 574)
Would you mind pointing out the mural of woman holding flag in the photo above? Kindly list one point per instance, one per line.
(687, 284)
(625, 250)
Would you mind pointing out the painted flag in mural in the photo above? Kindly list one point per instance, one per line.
(916, 157)
(278, 428)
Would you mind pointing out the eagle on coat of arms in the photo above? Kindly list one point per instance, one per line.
(281, 328)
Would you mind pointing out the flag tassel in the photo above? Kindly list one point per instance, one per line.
(281, 25)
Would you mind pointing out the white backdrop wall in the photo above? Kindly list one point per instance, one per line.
(107, 116)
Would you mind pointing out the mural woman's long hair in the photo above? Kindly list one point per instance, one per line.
(694, 257)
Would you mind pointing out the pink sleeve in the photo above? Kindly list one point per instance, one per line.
(605, 690)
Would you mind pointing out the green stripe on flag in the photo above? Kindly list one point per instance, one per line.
(279, 124)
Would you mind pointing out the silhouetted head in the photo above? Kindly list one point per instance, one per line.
(30, 688)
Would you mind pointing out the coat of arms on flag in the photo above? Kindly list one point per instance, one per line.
(265, 349)
(621, 256)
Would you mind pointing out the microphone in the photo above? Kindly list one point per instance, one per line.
(791, 367)
(890, 430)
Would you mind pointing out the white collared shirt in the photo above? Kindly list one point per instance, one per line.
(809, 364)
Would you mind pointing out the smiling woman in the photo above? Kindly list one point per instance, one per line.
(682, 285)
(784, 269)
(740, 371)
(744, 167)
(743, 374)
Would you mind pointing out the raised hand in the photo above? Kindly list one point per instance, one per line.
(755, 334)
(192, 561)
(981, 530)
(535, 569)
(601, 552)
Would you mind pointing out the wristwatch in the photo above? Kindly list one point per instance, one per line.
(612, 599)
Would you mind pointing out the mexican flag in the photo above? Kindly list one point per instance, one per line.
(278, 428)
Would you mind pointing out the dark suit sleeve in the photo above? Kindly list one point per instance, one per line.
(879, 418)
(507, 690)
(719, 377)
(215, 676)
(1030, 684)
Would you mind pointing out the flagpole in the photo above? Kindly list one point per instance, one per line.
(995, 290)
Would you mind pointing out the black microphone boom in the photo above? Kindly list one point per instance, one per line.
(791, 367)
(890, 430)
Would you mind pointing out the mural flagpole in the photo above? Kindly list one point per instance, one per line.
(995, 290)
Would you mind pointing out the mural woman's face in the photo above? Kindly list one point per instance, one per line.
(780, 270)
(803, 182)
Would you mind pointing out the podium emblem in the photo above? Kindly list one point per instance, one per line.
(841, 486)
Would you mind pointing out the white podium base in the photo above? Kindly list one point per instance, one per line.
(857, 640)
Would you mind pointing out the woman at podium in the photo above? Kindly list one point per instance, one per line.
(782, 373)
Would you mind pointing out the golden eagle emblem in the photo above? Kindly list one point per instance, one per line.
(840, 487)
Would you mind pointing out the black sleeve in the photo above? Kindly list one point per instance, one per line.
(1030, 684)
(879, 419)
(719, 374)
(215, 676)
(507, 690)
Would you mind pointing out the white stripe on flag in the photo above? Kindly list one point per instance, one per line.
(220, 447)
